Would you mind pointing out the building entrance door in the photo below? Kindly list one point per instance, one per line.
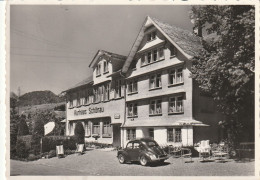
(116, 135)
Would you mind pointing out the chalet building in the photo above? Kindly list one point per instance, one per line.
(149, 93)
(162, 101)
(98, 101)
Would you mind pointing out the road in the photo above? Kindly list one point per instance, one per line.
(105, 163)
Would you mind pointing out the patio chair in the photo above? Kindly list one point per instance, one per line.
(60, 151)
(186, 154)
(204, 150)
(80, 149)
(175, 151)
(220, 153)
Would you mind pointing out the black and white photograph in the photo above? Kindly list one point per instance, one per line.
(132, 90)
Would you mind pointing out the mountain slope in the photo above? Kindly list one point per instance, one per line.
(39, 97)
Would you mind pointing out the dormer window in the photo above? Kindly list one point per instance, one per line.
(151, 36)
(98, 70)
(105, 67)
(152, 56)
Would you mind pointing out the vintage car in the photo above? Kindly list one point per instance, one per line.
(142, 150)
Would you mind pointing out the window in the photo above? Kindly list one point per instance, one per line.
(107, 92)
(176, 105)
(143, 60)
(170, 135)
(175, 76)
(130, 134)
(155, 81)
(136, 145)
(87, 128)
(78, 99)
(98, 70)
(152, 56)
(96, 128)
(155, 55)
(70, 103)
(132, 86)
(179, 76)
(151, 36)
(149, 57)
(107, 129)
(151, 133)
(129, 146)
(173, 51)
(118, 89)
(155, 107)
(100, 93)
(105, 67)
(70, 100)
(82, 97)
(174, 135)
(89, 96)
(161, 53)
(95, 91)
(178, 135)
(132, 110)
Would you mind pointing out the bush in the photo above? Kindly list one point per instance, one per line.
(33, 157)
(36, 144)
(52, 153)
(50, 143)
(26, 139)
(22, 127)
(22, 151)
(79, 133)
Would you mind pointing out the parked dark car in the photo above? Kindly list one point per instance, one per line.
(142, 150)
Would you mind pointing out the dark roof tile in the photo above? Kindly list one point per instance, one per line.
(188, 42)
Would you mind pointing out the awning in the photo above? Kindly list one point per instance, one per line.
(192, 122)
(162, 123)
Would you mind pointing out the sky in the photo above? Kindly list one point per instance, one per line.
(51, 46)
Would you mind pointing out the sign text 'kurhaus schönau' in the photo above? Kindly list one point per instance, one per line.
(89, 111)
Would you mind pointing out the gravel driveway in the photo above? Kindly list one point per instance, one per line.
(105, 163)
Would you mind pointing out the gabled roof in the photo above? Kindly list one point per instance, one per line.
(186, 42)
(86, 81)
(109, 54)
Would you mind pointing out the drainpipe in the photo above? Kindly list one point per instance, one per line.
(124, 109)
(66, 124)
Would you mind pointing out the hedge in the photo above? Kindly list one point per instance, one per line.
(23, 146)
(50, 143)
(26, 139)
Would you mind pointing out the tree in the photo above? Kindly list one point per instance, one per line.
(79, 133)
(23, 128)
(38, 128)
(225, 67)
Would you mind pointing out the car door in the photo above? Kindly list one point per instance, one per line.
(135, 153)
(128, 150)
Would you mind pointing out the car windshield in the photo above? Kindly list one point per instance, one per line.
(151, 143)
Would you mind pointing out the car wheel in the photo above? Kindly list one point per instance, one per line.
(121, 158)
(143, 160)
